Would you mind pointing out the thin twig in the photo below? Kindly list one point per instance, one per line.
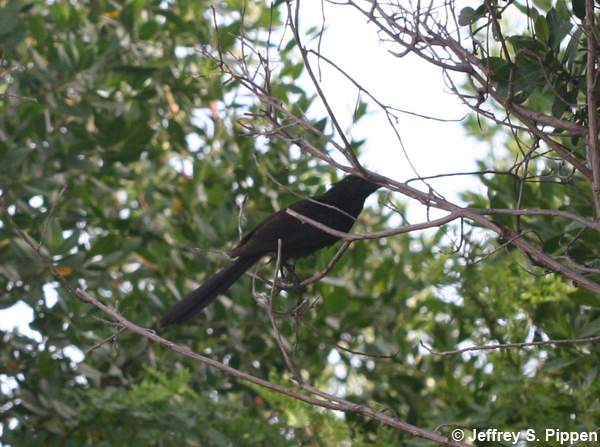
(571, 341)
(280, 284)
(375, 234)
(348, 151)
(276, 331)
(110, 339)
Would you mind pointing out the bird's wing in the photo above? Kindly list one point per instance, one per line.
(263, 238)
(297, 238)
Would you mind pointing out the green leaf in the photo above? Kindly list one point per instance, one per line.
(293, 70)
(149, 29)
(543, 4)
(499, 68)
(570, 53)
(526, 42)
(541, 29)
(468, 15)
(559, 363)
(54, 238)
(585, 297)
(9, 18)
(359, 111)
(579, 8)
(559, 28)
(591, 329)
(60, 13)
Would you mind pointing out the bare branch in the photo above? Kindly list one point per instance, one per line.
(326, 400)
(592, 106)
(276, 331)
(595, 225)
(500, 346)
(347, 150)
(376, 234)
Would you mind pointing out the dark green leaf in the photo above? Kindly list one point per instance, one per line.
(468, 15)
(579, 8)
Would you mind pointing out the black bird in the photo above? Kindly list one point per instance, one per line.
(337, 208)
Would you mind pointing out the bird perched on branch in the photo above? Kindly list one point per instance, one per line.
(337, 208)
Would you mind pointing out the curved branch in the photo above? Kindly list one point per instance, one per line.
(326, 400)
(375, 234)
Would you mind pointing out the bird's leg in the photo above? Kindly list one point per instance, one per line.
(300, 302)
(288, 270)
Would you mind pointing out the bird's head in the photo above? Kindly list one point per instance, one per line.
(358, 185)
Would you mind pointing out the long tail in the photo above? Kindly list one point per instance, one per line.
(201, 297)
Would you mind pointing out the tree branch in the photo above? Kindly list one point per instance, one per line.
(592, 106)
(326, 400)
(376, 234)
(571, 341)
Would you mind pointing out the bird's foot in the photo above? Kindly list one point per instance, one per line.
(288, 274)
